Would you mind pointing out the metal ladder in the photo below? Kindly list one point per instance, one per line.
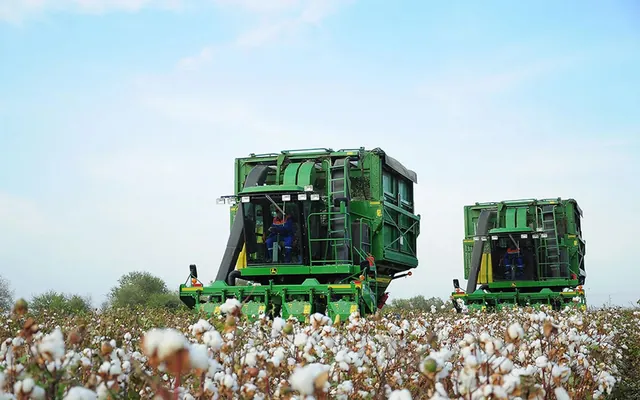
(552, 249)
(339, 222)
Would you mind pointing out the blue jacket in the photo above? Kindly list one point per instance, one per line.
(282, 227)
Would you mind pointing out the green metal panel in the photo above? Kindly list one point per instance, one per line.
(306, 174)
(291, 174)
(521, 218)
(511, 219)
(272, 189)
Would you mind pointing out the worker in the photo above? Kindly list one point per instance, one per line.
(513, 255)
(283, 227)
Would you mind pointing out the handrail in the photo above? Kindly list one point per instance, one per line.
(326, 150)
(263, 154)
(348, 240)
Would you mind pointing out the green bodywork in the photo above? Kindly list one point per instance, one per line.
(547, 236)
(355, 231)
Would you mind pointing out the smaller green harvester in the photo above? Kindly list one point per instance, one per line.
(522, 253)
(313, 231)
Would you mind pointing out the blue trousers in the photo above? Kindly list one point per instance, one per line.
(508, 264)
(288, 242)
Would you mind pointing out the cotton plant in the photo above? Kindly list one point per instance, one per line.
(156, 354)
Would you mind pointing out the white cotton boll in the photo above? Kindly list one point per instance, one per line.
(403, 394)
(38, 393)
(300, 339)
(115, 369)
(471, 361)
(469, 338)
(251, 359)
(277, 327)
(165, 341)
(466, 352)
(329, 342)
(499, 392)
(441, 390)
(81, 393)
(199, 357)
(230, 306)
(303, 378)
(466, 382)
(560, 371)
(52, 345)
(515, 331)
(200, 327)
(278, 356)
(102, 391)
(213, 339)
(503, 365)
(542, 362)
(104, 367)
(510, 383)
(561, 394)
(229, 381)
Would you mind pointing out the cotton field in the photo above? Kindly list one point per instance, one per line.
(524, 354)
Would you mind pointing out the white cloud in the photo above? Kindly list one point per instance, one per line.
(277, 20)
(195, 62)
(15, 11)
(258, 6)
(310, 12)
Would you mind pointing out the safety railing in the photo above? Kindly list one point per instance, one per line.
(332, 244)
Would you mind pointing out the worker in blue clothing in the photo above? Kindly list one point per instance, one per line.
(282, 226)
(513, 255)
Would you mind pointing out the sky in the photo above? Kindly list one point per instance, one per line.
(110, 112)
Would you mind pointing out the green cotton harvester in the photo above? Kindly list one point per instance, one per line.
(522, 253)
(313, 231)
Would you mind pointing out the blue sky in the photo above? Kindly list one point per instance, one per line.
(109, 111)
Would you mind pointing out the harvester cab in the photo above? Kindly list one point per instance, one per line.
(314, 231)
(523, 252)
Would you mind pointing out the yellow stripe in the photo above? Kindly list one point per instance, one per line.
(340, 286)
(191, 289)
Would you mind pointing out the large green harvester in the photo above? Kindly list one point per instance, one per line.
(313, 231)
(522, 253)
